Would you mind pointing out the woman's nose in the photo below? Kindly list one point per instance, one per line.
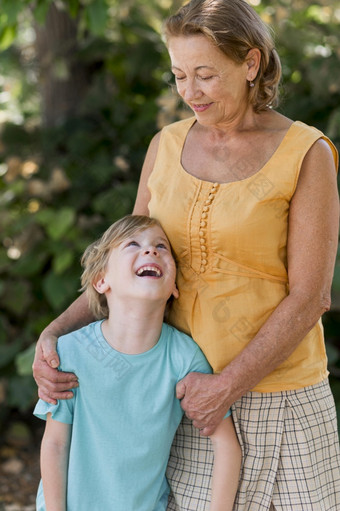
(190, 91)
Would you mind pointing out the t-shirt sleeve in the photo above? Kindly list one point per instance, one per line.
(199, 363)
(61, 412)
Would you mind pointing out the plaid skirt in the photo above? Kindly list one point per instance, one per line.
(291, 455)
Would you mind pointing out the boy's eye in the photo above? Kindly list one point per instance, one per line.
(162, 245)
(132, 244)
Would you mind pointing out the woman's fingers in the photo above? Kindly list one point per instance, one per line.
(47, 350)
(203, 400)
(52, 397)
(180, 389)
(53, 384)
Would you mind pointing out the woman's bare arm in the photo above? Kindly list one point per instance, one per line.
(143, 193)
(312, 247)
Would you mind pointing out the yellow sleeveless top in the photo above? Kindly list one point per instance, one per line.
(230, 241)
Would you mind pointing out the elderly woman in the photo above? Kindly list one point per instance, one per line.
(248, 199)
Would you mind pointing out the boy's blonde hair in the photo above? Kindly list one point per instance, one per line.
(96, 256)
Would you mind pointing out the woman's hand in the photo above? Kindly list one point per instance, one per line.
(204, 400)
(52, 384)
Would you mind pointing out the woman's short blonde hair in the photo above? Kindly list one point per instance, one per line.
(235, 28)
(95, 258)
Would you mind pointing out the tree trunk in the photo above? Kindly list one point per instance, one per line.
(63, 78)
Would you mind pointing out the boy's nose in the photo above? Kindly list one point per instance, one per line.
(151, 250)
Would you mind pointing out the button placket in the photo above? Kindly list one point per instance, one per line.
(203, 226)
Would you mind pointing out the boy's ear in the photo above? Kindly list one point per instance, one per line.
(175, 292)
(101, 285)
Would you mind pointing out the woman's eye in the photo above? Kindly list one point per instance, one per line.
(179, 78)
(205, 77)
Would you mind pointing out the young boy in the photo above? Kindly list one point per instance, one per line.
(107, 448)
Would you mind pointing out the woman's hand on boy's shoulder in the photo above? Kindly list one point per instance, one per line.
(52, 384)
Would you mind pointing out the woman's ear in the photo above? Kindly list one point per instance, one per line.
(101, 285)
(253, 60)
(175, 292)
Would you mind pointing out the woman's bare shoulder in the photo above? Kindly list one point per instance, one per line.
(274, 121)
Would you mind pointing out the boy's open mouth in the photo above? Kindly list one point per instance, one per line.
(149, 271)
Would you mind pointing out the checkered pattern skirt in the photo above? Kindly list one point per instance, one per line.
(291, 455)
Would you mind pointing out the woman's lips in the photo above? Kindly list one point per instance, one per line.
(201, 108)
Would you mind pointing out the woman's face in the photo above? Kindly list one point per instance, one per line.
(210, 83)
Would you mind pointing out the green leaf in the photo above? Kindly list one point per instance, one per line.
(41, 9)
(336, 279)
(332, 354)
(59, 289)
(7, 36)
(4, 260)
(116, 202)
(97, 17)
(17, 297)
(24, 361)
(8, 352)
(22, 392)
(11, 8)
(56, 223)
(73, 7)
(29, 264)
(63, 261)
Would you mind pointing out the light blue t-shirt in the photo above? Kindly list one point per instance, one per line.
(124, 415)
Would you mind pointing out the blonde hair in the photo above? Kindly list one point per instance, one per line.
(235, 28)
(96, 256)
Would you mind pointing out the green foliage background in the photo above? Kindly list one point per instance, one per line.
(62, 183)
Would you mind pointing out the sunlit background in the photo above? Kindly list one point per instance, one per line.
(84, 85)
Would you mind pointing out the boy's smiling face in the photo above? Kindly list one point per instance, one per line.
(141, 266)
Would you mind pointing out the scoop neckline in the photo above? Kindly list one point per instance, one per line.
(111, 349)
(228, 183)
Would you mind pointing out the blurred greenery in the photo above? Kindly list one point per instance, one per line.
(84, 85)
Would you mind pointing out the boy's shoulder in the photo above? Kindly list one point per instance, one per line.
(184, 351)
(173, 333)
(74, 344)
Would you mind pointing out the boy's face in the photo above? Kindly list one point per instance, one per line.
(141, 267)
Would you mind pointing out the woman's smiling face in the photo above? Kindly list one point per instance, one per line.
(210, 83)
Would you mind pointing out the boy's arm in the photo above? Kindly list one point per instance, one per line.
(227, 464)
(54, 463)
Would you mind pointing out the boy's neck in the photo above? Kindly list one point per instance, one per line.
(133, 328)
